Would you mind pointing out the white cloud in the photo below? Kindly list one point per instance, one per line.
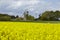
(17, 4)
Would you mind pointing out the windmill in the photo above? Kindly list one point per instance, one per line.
(25, 15)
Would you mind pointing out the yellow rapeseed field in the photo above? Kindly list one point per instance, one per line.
(29, 31)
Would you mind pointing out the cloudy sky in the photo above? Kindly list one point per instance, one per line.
(35, 7)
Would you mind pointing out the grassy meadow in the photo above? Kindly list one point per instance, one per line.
(29, 31)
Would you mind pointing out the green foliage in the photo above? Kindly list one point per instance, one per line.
(28, 17)
(19, 19)
(50, 15)
(5, 18)
(17, 16)
(12, 17)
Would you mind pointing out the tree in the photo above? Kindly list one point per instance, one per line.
(28, 17)
(12, 17)
(39, 17)
(50, 15)
(17, 16)
(5, 18)
(19, 19)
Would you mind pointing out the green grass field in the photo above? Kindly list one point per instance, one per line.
(29, 31)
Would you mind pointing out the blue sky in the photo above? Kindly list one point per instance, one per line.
(35, 7)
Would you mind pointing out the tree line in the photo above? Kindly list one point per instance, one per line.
(45, 16)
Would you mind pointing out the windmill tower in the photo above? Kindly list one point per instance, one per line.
(25, 15)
